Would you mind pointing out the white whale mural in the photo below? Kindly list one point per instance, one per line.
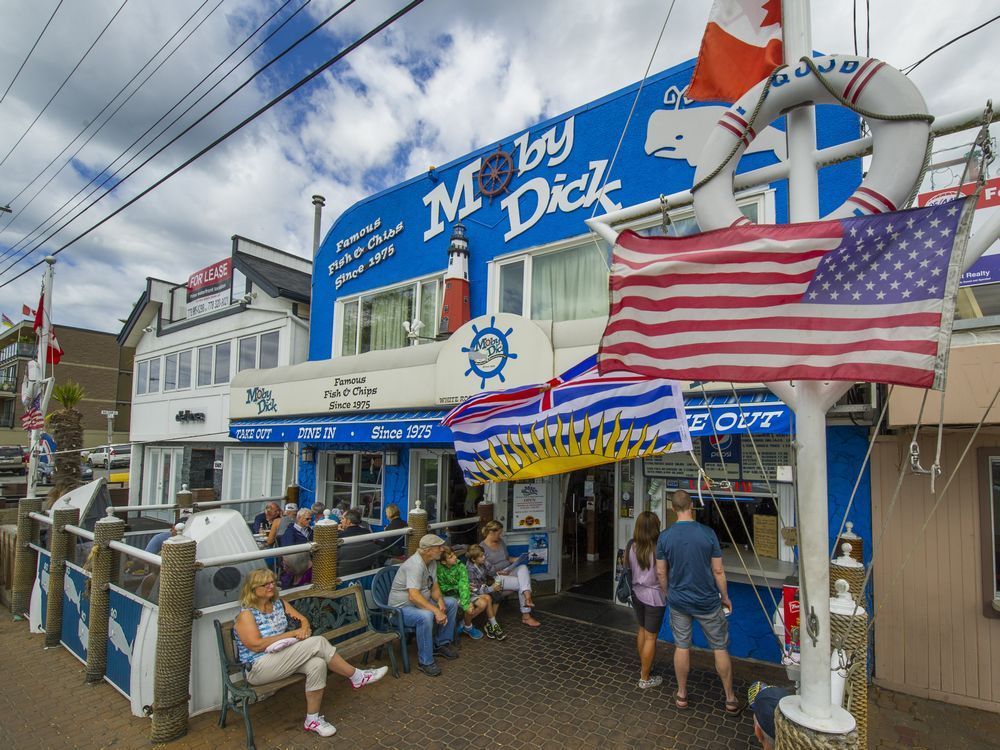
(118, 638)
(680, 132)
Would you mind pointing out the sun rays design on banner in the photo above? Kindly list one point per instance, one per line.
(577, 420)
(542, 452)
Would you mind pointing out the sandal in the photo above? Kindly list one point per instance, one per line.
(735, 707)
(530, 621)
(680, 701)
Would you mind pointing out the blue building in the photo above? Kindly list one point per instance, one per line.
(365, 409)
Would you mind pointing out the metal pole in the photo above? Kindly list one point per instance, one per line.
(318, 201)
(813, 707)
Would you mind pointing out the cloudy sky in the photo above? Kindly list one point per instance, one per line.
(449, 77)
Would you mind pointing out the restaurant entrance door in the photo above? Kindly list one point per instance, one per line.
(588, 540)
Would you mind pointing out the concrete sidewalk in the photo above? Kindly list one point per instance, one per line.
(564, 685)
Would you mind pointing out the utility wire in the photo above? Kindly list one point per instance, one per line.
(276, 100)
(65, 81)
(910, 68)
(28, 56)
(106, 170)
(111, 101)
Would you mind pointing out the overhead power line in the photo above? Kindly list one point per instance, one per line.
(910, 68)
(106, 171)
(65, 81)
(30, 51)
(111, 101)
(250, 118)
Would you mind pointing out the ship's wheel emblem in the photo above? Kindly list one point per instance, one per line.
(489, 351)
(496, 173)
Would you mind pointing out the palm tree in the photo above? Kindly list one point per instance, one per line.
(67, 430)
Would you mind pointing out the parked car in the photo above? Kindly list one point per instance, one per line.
(12, 459)
(109, 457)
(46, 473)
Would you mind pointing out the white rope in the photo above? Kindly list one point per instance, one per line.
(864, 463)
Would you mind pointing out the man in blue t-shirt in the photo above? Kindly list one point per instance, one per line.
(689, 568)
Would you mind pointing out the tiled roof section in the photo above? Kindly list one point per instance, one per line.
(276, 279)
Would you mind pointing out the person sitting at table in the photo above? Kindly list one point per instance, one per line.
(317, 512)
(298, 567)
(518, 579)
(395, 546)
(270, 649)
(263, 520)
(350, 524)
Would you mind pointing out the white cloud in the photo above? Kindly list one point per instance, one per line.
(448, 78)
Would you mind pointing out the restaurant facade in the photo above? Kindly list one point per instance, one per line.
(480, 275)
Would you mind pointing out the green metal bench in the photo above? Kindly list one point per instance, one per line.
(340, 616)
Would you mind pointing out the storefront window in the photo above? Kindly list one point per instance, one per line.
(512, 288)
(375, 322)
(355, 479)
(570, 284)
(254, 473)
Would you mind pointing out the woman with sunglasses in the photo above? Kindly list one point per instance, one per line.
(269, 650)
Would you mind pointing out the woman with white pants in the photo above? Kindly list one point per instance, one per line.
(517, 579)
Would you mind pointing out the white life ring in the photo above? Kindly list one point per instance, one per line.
(899, 146)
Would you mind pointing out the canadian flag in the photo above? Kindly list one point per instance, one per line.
(741, 46)
(55, 351)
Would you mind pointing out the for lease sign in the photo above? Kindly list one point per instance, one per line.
(208, 289)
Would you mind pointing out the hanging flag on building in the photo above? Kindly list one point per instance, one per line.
(32, 418)
(867, 298)
(27, 311)
(7, 322)
(741, 47)
(574, 421)
(55, 351)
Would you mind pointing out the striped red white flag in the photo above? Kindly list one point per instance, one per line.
(867, 298)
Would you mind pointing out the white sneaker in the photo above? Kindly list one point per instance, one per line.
(368, 676)
(651, 682)
(321, 727)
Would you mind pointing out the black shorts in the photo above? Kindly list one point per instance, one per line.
(649, 618)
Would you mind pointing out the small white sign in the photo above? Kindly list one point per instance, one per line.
(529, 505)
(784, 473)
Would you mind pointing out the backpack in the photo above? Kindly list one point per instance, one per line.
(623, 591)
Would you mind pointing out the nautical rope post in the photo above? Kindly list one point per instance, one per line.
(417, 521)
(325, 535)
(848, 569)
(292, 494)
(184, 499)
(173, 641)
(792, 736)
(108, 529)
(25, 559)
(849, 622)
(60, 548)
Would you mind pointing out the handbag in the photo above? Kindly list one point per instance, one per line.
(623, 591)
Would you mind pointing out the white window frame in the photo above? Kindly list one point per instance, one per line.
(271, 456)
(143, 370)
(764, 201)
(323, 484)
(429, 329)
(213, 356)
(258, 339)
(177, 370)
(153, 491)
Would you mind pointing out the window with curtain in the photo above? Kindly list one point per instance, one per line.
(382, 317)
(570, 284)
(350, 329)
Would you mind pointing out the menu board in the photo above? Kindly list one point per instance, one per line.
(529, 505)
(765, 535)
(672, 465)
(774, 450)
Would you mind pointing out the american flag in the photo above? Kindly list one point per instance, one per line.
(867, 298)
(576, 420)
(32, 418)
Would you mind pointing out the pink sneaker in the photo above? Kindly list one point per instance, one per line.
(368, 676)
(321, 727)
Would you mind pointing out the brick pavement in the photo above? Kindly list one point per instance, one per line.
(565, 685)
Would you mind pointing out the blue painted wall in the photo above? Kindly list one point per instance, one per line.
(403, 218)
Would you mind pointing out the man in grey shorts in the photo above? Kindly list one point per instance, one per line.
(689, 569)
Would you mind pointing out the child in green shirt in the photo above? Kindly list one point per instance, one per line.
(453, 578)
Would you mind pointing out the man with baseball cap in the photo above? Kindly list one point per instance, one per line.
(763, 700)
(416, 593)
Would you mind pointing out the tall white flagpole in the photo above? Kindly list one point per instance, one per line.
(813, 707)
(44, 382)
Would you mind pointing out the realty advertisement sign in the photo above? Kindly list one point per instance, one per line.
(208, 289)
(986, 270)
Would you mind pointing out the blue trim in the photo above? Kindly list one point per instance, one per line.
(388, 427)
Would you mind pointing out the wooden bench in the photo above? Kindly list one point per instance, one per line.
(340, 616)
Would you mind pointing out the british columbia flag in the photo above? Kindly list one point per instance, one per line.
(868, 298)
(579, 419)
